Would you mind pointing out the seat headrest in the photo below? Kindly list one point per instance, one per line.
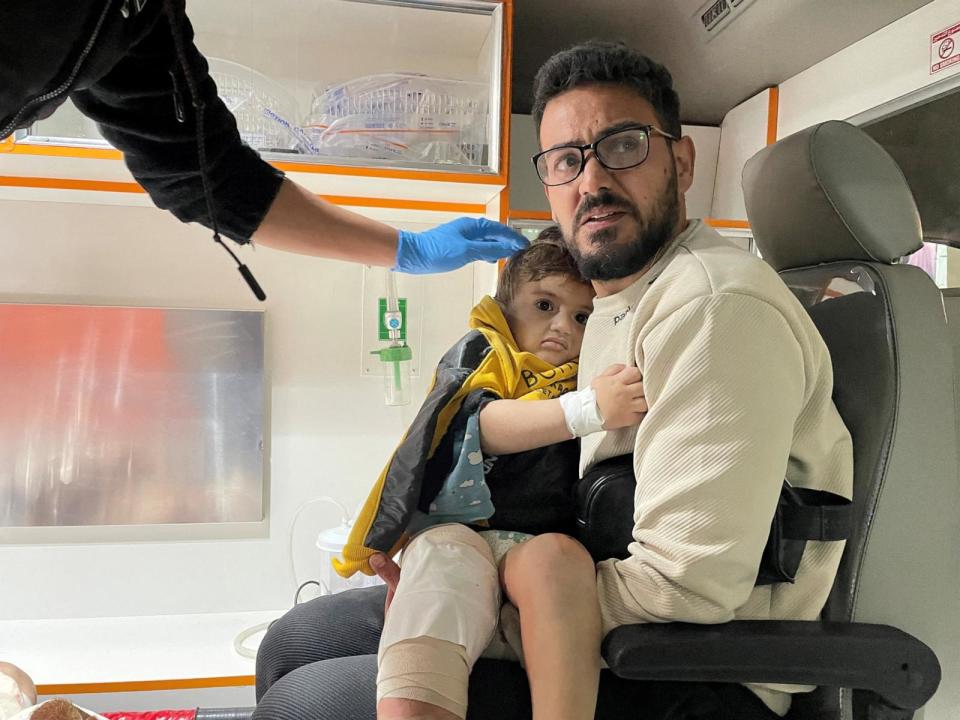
(828, 193)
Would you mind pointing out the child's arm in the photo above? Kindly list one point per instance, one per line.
(512, 426)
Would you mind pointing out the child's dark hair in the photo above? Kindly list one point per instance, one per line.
(547, 255)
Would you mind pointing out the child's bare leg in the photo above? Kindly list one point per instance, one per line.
(403, 709)
(441, 618)
(552, 581)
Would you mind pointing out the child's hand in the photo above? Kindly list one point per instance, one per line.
(620, 396)
(389, 572)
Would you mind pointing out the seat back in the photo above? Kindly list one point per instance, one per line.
(951, 303)
(830, 211)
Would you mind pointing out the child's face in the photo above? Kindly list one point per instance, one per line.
(547, 317)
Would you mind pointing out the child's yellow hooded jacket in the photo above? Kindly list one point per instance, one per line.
(531, 490)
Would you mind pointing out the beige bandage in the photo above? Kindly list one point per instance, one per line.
(441, 619)
(425, 669)
(449, 590)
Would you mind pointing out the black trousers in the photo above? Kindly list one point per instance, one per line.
(319, 662)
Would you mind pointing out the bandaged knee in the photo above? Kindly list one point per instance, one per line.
(427, 670)
(449, 589)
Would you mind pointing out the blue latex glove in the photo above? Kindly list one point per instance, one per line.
(454, 244)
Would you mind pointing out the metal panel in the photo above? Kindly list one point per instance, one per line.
(130, 416)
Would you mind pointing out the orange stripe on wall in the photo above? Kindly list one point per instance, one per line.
(127, 187)
(84, 153)
(287, 166)
(773, 114)
(427, 205)
(69, 184)
(718, 223)
(423, 175)
(145, 685)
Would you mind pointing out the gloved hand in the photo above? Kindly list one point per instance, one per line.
(454, 244)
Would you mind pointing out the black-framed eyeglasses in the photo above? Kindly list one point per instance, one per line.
(617, 150)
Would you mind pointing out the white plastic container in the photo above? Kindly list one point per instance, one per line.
(266, 113)
(330, 543)
(396, 373)
(401, 117)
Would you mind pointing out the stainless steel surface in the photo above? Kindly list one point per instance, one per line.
(121, 416)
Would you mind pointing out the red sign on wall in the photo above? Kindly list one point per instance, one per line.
(945, 49)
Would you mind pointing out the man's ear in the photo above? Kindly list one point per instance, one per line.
(684, 155)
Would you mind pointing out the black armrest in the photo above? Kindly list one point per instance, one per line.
(604, 508)
(896, 667)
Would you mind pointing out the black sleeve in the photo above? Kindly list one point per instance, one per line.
(136, 107)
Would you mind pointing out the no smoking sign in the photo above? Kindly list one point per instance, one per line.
(945, 49)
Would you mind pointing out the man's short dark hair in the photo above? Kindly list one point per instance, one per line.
(547, 255)
(597, 62)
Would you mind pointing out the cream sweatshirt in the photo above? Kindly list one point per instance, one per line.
(738, 382)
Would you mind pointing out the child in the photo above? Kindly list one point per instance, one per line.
(479, 452)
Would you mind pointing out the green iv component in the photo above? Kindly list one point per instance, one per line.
(384, 331)
(397, 372)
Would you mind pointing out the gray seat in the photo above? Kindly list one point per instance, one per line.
(951, 303)
(831, 212)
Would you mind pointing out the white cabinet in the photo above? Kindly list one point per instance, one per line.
(366, 92)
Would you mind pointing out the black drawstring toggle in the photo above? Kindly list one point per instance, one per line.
(252, 283)
(176, 29)
(244, 270)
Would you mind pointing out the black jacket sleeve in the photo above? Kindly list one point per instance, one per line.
(137, 104)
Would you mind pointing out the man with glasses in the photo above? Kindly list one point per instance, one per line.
(738, 382)
(736, 376)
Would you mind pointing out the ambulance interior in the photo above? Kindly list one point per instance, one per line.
(179, 462)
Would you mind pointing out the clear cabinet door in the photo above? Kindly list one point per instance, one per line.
(395, 83)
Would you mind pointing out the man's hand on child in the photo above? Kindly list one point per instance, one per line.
(620, 396)
(388, 571)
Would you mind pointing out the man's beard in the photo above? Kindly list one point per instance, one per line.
(611, 260)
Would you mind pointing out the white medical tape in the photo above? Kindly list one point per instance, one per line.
(581, 412)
